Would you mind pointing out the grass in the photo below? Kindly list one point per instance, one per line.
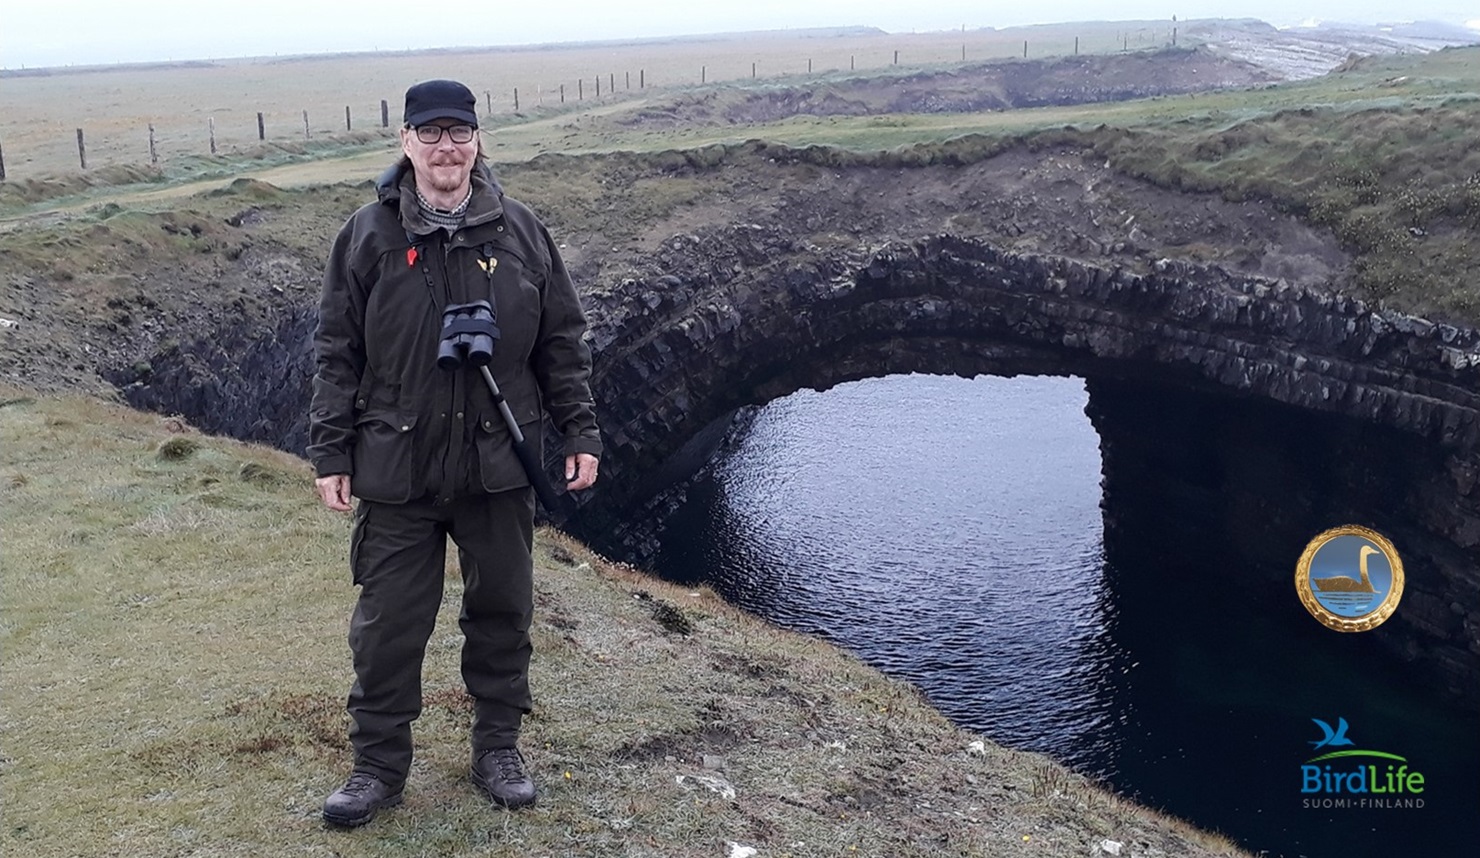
(1379, 153)
(40, 113)
(173, 639)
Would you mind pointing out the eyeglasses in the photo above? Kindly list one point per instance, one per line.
(432, 134)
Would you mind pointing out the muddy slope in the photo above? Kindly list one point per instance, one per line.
(1002, 85)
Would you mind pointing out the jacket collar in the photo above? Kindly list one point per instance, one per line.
(397, 187)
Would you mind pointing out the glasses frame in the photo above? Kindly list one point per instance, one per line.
(451, 131)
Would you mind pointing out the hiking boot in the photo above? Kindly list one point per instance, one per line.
(500, 773)
(357, 801)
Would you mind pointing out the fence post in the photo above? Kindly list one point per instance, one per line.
(598, 86)
(896, 57)
(2, 163)
(562, 93)
(81, 150)
(153, 153)
(611, 82)
(752, 69)
(516, 99)
(703, 74)
(1076, 46)
(642, 78)
(385, 114)
(346, 118)
(851, 58)
(261, 128)
(580, 89)
(629, 80)
(809, 65)
(211, 124)
(488, 102)
(305, 125)
(1174, 37)
(1025, 48)
(963, 53)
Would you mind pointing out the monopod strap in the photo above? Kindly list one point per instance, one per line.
(503, 405)
(533, 468)
(555, 506)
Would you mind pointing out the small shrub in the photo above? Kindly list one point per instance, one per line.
(672, 619)
(263, 475)
(177, 449)
(1048, 781)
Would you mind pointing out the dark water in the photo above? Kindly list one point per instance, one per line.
(949, 532)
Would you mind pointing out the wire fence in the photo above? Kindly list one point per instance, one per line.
(125, 131)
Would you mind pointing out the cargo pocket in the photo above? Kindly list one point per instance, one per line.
(498, 466)
(386, 457)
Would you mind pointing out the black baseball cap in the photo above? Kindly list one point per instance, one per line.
(440, 99)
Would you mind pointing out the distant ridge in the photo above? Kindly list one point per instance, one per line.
(49, 71)
(736, 35)
(1410, 30)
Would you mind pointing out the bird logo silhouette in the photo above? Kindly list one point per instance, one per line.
(1335, 738)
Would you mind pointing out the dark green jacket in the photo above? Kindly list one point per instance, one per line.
(382, 410)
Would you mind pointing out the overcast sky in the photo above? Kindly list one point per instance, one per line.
(61, 32)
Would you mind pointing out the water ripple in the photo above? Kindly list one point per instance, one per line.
(937, 565)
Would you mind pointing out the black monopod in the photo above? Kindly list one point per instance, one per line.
(469, 334)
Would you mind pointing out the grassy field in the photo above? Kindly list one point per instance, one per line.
(175, 671)
(39, 114)
(1380, 153)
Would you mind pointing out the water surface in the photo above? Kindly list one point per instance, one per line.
(949, 532)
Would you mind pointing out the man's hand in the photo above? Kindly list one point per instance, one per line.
(334, 491)
(580, 471)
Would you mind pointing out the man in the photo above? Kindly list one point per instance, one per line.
(425, 449)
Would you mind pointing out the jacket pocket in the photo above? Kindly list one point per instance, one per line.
(498, 465)
(387, 452)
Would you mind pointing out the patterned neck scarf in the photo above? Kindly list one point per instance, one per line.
(449, 219)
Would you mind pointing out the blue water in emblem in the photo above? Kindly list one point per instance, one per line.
(1367, 575)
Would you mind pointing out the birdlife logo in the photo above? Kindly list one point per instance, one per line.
(1350, 578)
(1348, 777)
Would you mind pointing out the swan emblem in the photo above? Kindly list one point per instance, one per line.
(1353, 601)
(1347, 584)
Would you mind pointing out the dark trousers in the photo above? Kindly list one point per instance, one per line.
(398, 555)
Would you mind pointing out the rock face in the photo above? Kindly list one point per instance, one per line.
(248, 383)
(1234, 412)
(1248, 412)
(999, 85)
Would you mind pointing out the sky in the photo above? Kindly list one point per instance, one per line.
(82, 32)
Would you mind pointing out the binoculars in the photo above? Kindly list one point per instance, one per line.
(468, 335)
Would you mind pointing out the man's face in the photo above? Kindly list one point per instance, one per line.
(444, 165)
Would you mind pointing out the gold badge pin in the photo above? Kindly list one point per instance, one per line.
(1350, 578)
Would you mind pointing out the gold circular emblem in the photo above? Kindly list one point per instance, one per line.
(1350, 578)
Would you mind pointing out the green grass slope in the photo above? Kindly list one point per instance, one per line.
(175, 609)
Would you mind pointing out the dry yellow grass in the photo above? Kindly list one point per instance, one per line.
(39, 115)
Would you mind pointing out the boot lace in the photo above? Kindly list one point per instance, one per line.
(360, 783)
(510, 764)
